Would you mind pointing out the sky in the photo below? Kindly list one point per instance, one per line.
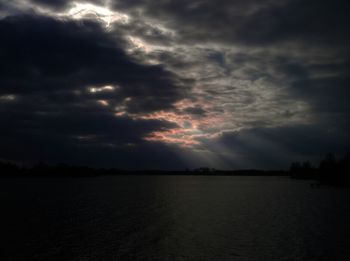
(174, 84)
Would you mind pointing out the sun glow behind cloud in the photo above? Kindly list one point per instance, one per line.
(75, 10)
(103, 13)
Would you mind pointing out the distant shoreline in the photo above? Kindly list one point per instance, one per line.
(330, 171)
(87, 172)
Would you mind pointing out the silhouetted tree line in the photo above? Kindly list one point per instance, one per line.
(329, 171)
(42, 169)
(63, 170)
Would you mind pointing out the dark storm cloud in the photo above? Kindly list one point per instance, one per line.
(87, 134)
(252, 21)
(323, 84)
(321, 22)
(40, 54)
(55, 129)
(51, 3)
(47, 111)
(86, 119)
(328, 94)
(62, 4)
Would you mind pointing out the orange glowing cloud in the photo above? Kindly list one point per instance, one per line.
(190, 128)
(170, 137)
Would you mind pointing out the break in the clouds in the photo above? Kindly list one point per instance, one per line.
(174, 84)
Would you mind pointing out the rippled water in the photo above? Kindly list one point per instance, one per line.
(173, 218)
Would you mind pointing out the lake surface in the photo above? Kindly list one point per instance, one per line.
(172, 218)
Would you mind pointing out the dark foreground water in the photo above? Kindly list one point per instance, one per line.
(173, 218)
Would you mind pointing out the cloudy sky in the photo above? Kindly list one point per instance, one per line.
(174, 83)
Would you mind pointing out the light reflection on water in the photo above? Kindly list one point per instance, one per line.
(173, 218)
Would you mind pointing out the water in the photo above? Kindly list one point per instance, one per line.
(173, 218)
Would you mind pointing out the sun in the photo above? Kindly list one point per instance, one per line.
(102, 13)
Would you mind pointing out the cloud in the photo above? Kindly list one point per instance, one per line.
(79, 134)
(226, 82)
(41, 54)
(52, 3)
(248, 22)
(59, 5)
(49, 112)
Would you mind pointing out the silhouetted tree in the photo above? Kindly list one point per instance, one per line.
(302, 170)
(330, 170)
(329, 163)
(295, 167)
(7, 168)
